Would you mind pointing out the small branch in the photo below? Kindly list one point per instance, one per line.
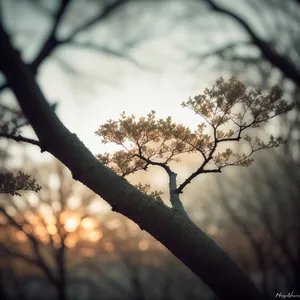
(255, 244)
(5, 107)
(107, 10)
(104, 49)
(210, 156)
(22, 256)
(197, 148)
(150, 162)
(174, 195)
(42, 220)
(205, 162)
(52, 42)
(195, 174)
(220, 51)
(35, 245)
(19, 138)
(282, 63)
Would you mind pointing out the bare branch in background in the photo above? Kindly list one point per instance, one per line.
(19, 138)
(282, 63)
(106, 50)
(52, 42)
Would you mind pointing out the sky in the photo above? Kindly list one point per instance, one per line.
(157, 72)
(91, 88)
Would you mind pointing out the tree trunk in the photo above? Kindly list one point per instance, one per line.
(179, 234)
(61, 291)
(61, 268)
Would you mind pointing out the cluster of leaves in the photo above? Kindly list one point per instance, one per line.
(11, 121)
(215, 105)
(145, 188)
(122, 162)
(11, 184)
(226, 110)
(144, 140)
(230, 104)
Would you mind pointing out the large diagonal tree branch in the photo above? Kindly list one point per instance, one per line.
(282, 63)
(179, 234)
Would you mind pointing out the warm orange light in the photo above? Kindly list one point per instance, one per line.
(44, 238)
(143, 245)
(64, 216)
(50, 219)
(71, 224)
(122, 234)
(19, 218)
(87, 252)
(113, 224)
(40, 230)
(33, 219)
(83, 234)
(29, 215)
(56, 239)
(21, 236)
(95, 235)
(108, 246)
(70, 241)
(89, 223)
(51, 229)
(27, 228)
(3, 220)
(212, 229)
(2, 236)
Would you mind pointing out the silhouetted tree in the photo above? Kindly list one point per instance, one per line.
(39, 229)
(171, 226)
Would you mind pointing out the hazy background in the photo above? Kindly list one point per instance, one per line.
(105, 57)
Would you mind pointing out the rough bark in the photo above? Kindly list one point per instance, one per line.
(179, 234)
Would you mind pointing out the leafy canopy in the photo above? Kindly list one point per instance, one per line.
(226, 111)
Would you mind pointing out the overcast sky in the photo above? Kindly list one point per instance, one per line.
(156, 73)
(92, 87)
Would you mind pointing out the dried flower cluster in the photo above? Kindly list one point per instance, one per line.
(226, 111)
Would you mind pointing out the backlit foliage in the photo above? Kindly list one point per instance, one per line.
(145, 188)
(226, 111)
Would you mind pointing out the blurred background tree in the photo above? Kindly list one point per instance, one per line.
(77, 48)
(261, 45)
(62, 242)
